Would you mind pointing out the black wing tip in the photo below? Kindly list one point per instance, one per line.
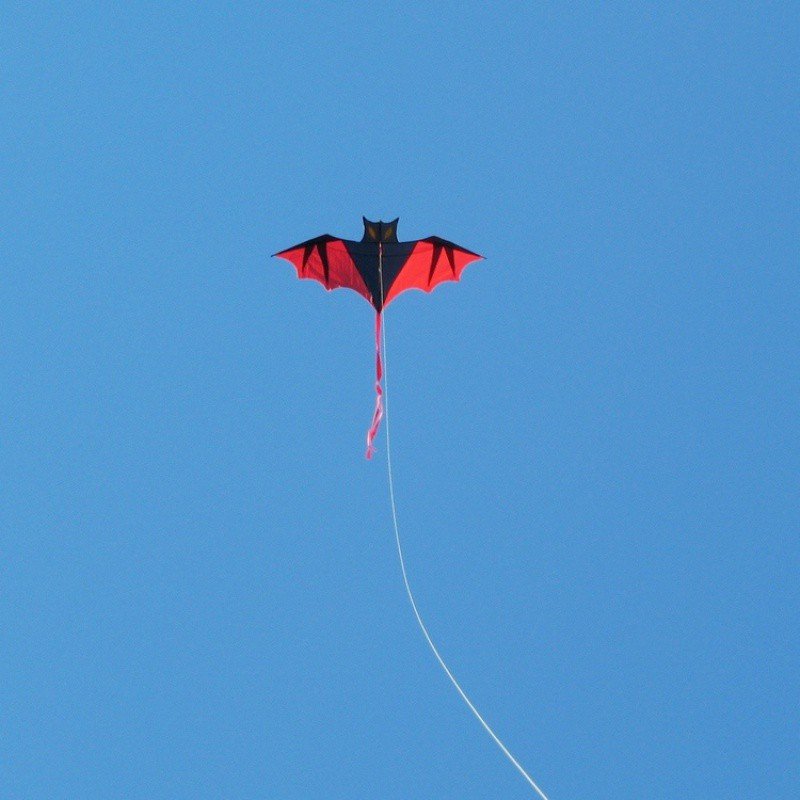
(448, 243)
(325, 237)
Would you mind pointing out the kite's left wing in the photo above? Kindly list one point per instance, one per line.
(327, 260)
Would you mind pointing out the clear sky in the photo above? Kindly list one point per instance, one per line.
(595, 432)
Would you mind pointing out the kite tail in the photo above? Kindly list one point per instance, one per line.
(378, 414)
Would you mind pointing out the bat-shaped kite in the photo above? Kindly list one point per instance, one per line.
(379, 268)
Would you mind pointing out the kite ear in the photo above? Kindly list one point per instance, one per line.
(371, 230)
(390, 230)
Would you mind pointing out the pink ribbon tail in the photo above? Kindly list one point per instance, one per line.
(378, 414)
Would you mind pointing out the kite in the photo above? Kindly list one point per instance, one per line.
(380, 268)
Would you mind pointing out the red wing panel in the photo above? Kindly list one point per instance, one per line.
(326, 260)
(432, 261)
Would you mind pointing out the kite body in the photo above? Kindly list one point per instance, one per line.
(379, 268)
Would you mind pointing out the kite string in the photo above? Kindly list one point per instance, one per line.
(422, 626)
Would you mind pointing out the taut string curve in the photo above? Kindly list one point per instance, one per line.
(410, 594)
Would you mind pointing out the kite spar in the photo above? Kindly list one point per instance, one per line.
(379, 267)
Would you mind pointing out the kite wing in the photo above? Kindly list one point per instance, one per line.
(430, 262)
(326, 259)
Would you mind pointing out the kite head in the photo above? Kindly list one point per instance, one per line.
(380, 231)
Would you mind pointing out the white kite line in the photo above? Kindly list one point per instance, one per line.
(424, 630)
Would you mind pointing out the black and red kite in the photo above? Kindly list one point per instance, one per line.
(379, 268)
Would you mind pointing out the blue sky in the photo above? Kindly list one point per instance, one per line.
(594, 433)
